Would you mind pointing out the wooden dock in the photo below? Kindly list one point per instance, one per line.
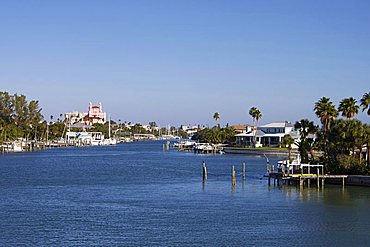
(296, 173)
(303, 180)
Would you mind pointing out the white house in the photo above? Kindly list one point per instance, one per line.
(269, 135)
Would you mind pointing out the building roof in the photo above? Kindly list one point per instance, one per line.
(277, 125)
(81, 125)
(239, 127)
(259, 133)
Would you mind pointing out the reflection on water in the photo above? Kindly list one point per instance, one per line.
(332, 194)
(136, 195)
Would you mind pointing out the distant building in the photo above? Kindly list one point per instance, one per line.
(75, 117)
(190, 130)
(94, 115)
(269, 135)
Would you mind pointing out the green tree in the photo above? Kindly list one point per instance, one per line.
(19, 118)
(252, 113)
(366, 138)
(305, 144)
(365, 102)
(215, 135)
(348, 107)
(6, 107)
(35, 117)
(56, 130)
(326, 112)
(345, 141)
(216, 117)
(287, 142)
(256, 115)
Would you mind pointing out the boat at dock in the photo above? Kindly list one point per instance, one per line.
(185, 145)
(88, 139)
(15, 146)
(188, 145)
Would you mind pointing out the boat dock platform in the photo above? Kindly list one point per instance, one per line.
(302, 180)
(296, 173)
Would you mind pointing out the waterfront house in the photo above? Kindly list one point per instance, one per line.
(269, 135)
(190, 130)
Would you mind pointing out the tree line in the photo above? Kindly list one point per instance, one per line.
(342, 140)
(18, 117)
(339, 142)
(22, 119)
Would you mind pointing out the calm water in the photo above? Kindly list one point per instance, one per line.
(135, 195)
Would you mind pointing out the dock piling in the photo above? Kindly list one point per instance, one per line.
(233, 175)
(318, 179)
(204, 171)
(243, 170)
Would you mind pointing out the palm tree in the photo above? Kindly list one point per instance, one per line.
(252, 112)
(288, 141)
(305, 127)
(366, 137)
(305, 145)
(256, 115)
(365, 103)
(325, 110)
(348, 107)
(216, 117)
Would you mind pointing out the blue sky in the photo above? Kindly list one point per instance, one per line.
(178, 62)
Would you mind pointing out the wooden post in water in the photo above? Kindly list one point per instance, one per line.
(309, 180)
(272, 168)
(204, 171)
(243, 170)
(233, 175)
(318, 179)
(268, 167)
(343, 182)
(301, 182)
(233, 179)
(323, 177)
(167, 145)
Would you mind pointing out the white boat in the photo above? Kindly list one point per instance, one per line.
(12, 147)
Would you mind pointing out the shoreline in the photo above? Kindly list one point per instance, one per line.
(352, 180)
(258, 151)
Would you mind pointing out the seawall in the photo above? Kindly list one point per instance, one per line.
(355, 180)
(257, 151)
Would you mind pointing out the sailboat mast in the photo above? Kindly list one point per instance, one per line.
(109, 128)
